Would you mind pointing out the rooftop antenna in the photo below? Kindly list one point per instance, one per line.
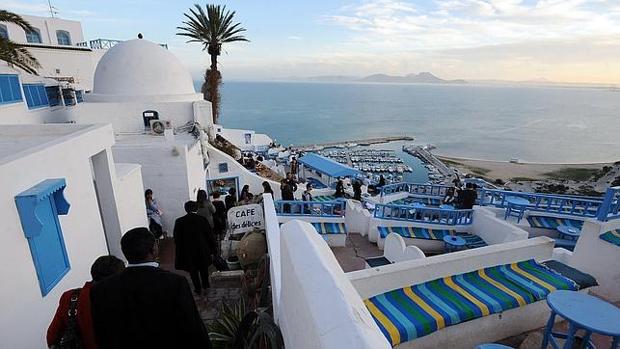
(52, 12)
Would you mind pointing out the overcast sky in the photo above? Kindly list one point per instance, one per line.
(558, 40)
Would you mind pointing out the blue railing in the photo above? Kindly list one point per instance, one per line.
(335, 208)
(415, 188)
(560, 204)
(610, 208)
(424, 214)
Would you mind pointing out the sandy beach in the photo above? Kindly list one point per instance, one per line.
(507, 171)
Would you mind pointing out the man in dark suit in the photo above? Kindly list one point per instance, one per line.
(144, 306)
(195, 245)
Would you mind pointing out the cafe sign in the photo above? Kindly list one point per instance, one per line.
(245, 218)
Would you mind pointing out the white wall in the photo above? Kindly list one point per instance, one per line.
(494, 230)
(47, 26)
(319, 308)
(165, 167)
(25, 313)
(599, 258)
(126, 117)
(357, 218)
(272, 228)
(130, 194)
(62, 62)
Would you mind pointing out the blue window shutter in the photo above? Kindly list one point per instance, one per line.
(28, 96)
(43, 95)
(5, 89)
(17, 91)
(38, 209)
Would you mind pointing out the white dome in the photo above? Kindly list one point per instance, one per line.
(140, 67)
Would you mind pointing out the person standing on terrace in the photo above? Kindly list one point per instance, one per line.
(195, 246)
(205, 207)
(357, 190)
(287, 194)
(154, 214)
(339, 188)
(244, 193)
(231, 199)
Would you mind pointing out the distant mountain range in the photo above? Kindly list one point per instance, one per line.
(421, 78)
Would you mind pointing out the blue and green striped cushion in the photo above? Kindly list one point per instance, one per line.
(414, 232)
(612, 236)
(329, 228)
(552, 222)
(323, 198)
(412, 312)
(473, 241)
(410, 200)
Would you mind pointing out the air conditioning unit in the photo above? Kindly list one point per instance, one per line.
(158, 126)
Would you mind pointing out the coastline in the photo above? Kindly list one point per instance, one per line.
(507, 171)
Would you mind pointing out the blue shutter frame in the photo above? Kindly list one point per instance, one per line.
(38, 209)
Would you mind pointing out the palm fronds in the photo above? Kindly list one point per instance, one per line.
(13, 53)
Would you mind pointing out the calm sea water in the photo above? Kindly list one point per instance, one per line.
(562, 125)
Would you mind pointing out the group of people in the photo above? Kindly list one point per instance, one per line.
(133, 306)
(461, 197)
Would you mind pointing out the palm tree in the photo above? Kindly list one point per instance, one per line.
(13, 53)
(212, 29)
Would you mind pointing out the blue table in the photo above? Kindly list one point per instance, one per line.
(453, 243)
(446, 207)
(582, 311)
(568, 232)
(515, 207)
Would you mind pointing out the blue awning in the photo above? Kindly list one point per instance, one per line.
(328, 166)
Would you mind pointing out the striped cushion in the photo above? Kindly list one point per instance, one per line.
(472, 241)
(412, 312)
(410, 200)
(324, 198)
(612, 236)
(552, 222)
(329, 228)
(414, 232)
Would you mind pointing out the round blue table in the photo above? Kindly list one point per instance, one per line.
(453, 243)
(515, 207)
(568, 232)
(582, 311)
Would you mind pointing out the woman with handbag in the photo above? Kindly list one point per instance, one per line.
(72, 326)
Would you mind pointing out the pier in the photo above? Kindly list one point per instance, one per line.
(342, 144)
(429, 158)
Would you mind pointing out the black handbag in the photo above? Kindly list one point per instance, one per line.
(71, 338)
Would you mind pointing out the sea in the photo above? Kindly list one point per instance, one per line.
(533, 124)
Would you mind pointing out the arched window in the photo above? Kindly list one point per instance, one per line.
(33, 36)
(63, 37)
(3, 32)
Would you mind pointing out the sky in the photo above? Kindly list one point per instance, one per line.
(519, 40)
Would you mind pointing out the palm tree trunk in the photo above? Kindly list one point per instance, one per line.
(213, 88)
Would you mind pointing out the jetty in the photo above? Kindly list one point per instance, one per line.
(425, 155)
(354, 142)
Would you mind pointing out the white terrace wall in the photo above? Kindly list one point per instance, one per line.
(494, 230)
(130, 191)
(598, 257)
(166, 168)
(25, 312)
(319, 308)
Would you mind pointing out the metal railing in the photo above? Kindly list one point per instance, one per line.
(610, 207)
(549, 203)
(424, 214)
(415, 188)
(104, 44)
(335, 208)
